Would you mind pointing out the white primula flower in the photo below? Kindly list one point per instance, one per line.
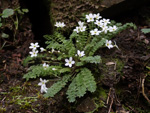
(62, 24)
(53, 50)
(44, 89)
(97, 16)
(109, 44)
(59, 24)
(45, 66)
(34, 53)
(99, 23)
(77, 29)
(54, 69)
(42, 49)
(105, 29)
(81, 23)
(106, 21)
(90, 17)
(69, 62)
(82, 28)
(112, 29)
(42, 83)
(80, 53)
(34, 46)
(95, 32)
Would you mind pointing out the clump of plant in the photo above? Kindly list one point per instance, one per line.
(71, 59)
(9, 21)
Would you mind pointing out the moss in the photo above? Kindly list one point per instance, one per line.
(2, 110)
(106, 68)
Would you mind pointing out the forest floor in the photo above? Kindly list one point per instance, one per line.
(125, 87)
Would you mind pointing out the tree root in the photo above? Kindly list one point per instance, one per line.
(143, 92)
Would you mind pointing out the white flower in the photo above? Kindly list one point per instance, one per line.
(42, 49)
(102, 25)
(62, 24)
(44, 89)
(69, 62)
(82, 28)
(54, 69)
(90, 17)
(34, 46)
(81, 23)
(95, 32)
(111, 29)
(34, 53)
(59, 24)
(80, 53)
(99, 23)
(105, 29)
(77, 29)
(42, 83)
(53, 50)
(106, 21)
(109, 44)
(116, 45)
(45, 66)
(97, 16)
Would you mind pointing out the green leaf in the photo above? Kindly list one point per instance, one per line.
(56, 87)
(79, 64)
(1, 24)
(84, 81)
(4, 35)
(39, 71)
(63, 70)
(145, 30)
(7, 12)
(25, 10)
(91, 59)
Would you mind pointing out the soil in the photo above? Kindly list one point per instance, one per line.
(123, 86)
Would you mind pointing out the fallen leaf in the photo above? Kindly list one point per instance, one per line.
(110, 63)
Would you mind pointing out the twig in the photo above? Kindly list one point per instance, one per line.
(108, 96)
(110, 105)
(143, 92)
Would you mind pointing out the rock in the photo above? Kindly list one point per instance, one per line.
(86, 105)
(70, 11)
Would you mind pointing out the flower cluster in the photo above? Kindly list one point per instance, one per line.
(34, 47)
(70, 62)
(80, 28)
(60, 24)
(102, 25)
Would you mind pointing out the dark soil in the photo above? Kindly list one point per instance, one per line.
(120, 85)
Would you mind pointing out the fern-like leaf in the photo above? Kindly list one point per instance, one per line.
(56, 87)
(83, 82)
(38, 71)
(97, 46)
(29, 58)
(91, 59)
